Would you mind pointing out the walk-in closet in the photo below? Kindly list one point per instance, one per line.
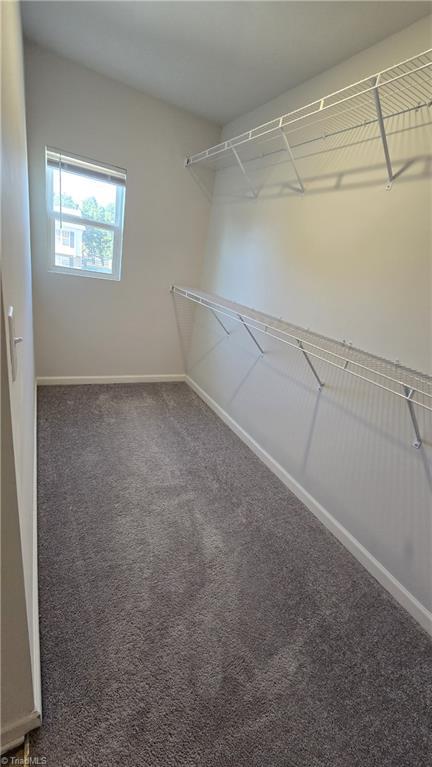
(216, 401)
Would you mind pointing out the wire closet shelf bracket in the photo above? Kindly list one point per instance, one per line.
(403, 88)
(411, 389)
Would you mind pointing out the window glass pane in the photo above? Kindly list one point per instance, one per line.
(84, 196)
(87, 248)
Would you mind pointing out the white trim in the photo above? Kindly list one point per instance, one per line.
(36, 665)
(374, 567)
(66, 380)
(81, 221)
(13, 734)
(116, 229)
(83, 273)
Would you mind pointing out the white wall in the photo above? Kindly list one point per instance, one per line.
(298, 256)
(352, 261)
(16, 290)
(91, 327)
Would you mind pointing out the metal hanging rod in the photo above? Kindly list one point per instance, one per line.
(294, 336)
(402, 88)
(266, 326)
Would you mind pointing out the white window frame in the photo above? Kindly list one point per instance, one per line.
(53, 216)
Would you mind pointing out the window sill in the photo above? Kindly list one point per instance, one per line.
(83, 273)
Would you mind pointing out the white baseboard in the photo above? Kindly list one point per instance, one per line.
(66, 380)
(374, 567)
(13, 734)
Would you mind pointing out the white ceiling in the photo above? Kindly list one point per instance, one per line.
(216, 59)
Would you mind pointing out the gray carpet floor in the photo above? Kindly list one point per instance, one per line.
(193, 612)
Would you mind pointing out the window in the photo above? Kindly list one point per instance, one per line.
(85, 213)
(65, 237)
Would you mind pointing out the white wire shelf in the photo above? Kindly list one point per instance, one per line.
(411, 386)
(374, 101)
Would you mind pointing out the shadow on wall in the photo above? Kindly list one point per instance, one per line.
(349, 445)
(346, 180)
(290, 368)
(329, 164)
